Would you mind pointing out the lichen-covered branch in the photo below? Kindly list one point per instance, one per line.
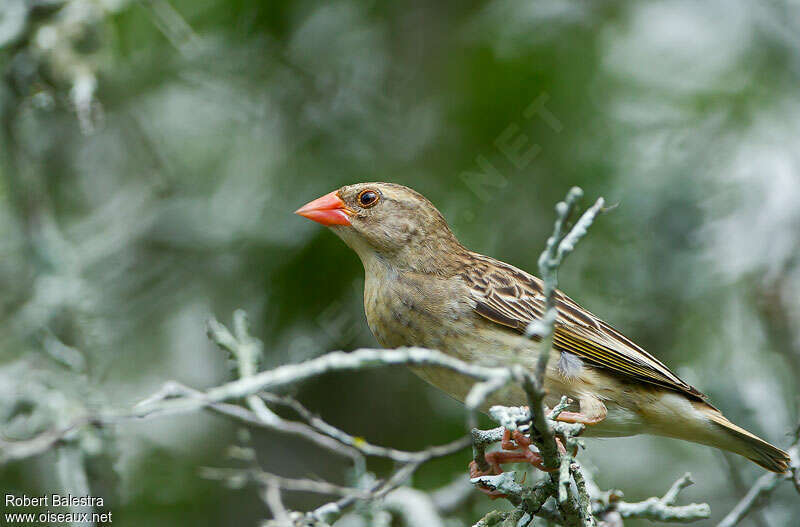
(559, 245)
(575, 507)
(174, 398)
(361, 445)
(337, 361)
(664, 509)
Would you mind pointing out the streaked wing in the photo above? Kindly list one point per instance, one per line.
(513, 298)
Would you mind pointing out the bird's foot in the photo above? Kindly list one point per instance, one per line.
(578, 417)
(592, 411)
(515, 449)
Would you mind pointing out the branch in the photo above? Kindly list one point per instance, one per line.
(360, 444)
(762, 489)
(71, 471)
(336, 361)
(175, 398)
(559, 245)
(272, 497)
(664, 509)
(236, 412)
(415, 507)
(543, 429)
(15, 450)
(545, 439)
(237, 478)
(529, 499)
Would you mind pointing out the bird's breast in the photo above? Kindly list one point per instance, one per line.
(413, 311)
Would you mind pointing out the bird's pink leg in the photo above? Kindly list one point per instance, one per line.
(579, 417)
(516, 451)
(592, 411)
(516, 445)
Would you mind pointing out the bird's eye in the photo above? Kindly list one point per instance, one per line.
(368, 198)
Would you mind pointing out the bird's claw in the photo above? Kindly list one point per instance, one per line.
(515, 449)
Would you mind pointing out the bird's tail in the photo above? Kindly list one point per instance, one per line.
(735, 439)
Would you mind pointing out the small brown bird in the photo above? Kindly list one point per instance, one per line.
(423, 288)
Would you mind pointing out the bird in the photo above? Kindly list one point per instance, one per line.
(423, 288)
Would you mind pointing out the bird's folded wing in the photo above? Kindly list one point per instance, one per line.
(512, 298)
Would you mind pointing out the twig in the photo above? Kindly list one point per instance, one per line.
(173, 389)
(272, 497)
(291, 484)
(559, 245)
(544, 428)
(735, 478)
(480, 391)
(480, 440)
(451, 497)
(415, 507)
(171, 24)
(664, 508)
(583, 495)
(655, 509)
(753, 499)
(71, 472)
(14, 450)
(330, 512)
(760, 491)
(361, 445)
(336, 361)
(247, 352)
(545, 440)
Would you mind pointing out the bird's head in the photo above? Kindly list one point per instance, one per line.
(387, 223)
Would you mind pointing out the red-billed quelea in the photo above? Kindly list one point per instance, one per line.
(423, 288)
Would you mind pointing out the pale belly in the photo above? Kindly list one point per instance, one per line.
(619, 421)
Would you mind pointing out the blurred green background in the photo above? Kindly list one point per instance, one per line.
(152, 155)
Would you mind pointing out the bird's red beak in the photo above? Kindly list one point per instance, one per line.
(327, 210)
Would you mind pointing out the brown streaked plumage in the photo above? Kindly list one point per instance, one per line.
(423, 288)
(514, 298)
